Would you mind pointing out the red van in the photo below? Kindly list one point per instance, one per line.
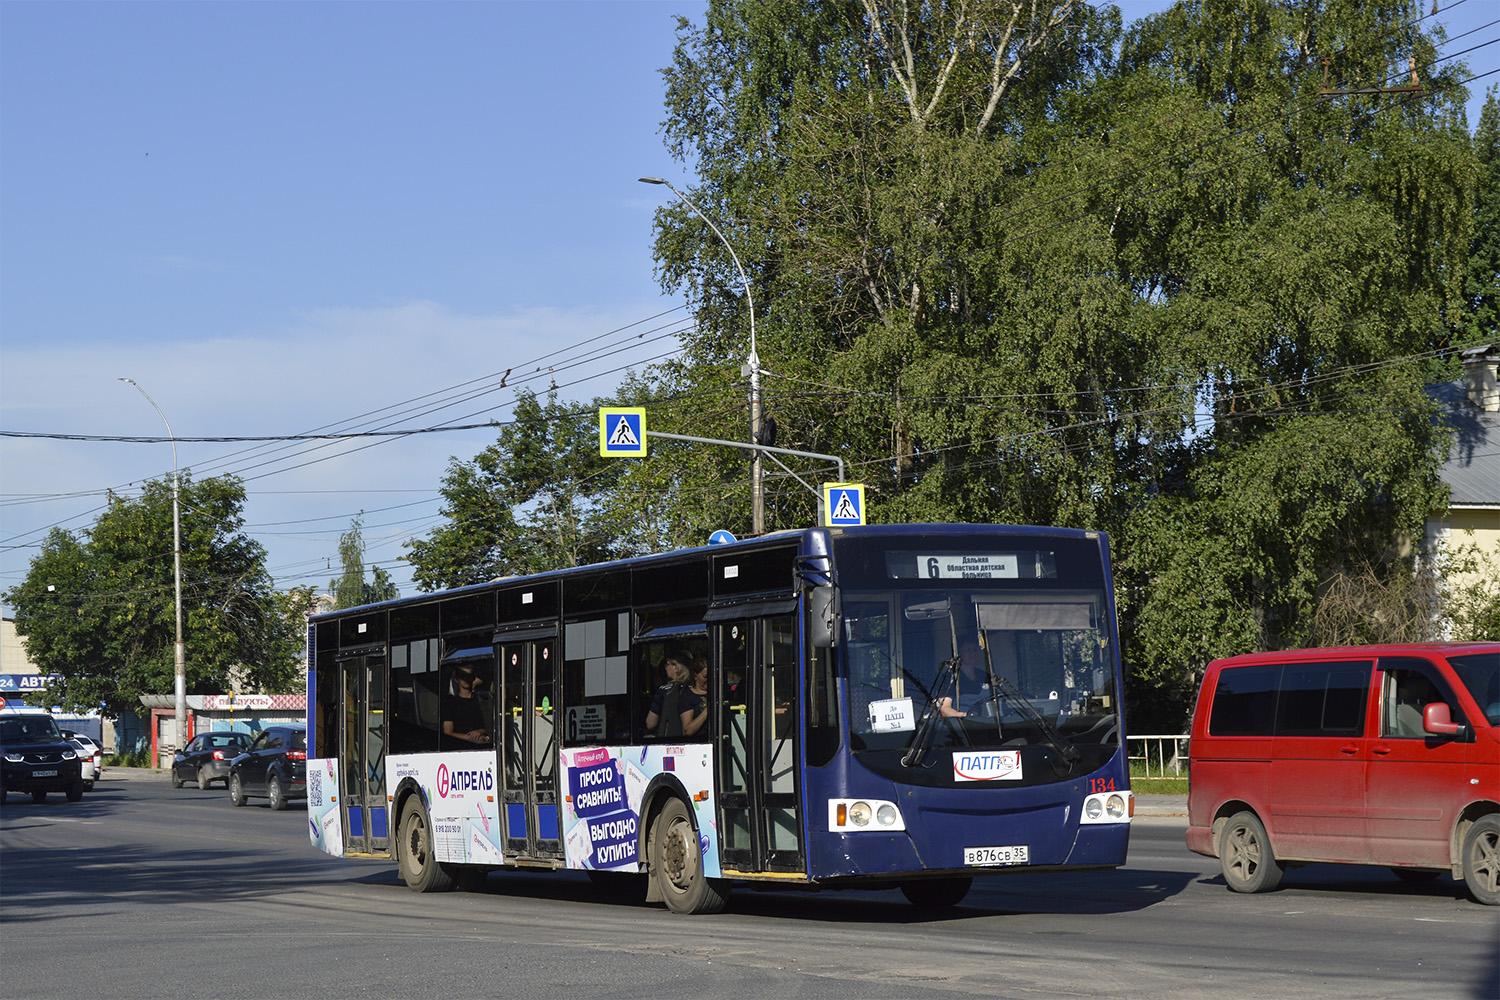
(1366, 755)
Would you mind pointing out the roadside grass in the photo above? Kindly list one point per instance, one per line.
(140, 757)
(1158, 786)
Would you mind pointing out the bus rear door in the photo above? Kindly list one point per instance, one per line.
(362, 750)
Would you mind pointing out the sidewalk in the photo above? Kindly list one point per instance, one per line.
(1161, 805)
(112, 773)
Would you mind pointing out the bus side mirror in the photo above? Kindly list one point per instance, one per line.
(1438, 718)
(823, 617)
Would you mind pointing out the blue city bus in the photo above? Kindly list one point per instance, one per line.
(907, 706)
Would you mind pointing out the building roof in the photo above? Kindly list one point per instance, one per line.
(1472, 471)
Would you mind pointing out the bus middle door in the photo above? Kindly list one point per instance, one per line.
(760, 820)
(529, 747)
(362, 752)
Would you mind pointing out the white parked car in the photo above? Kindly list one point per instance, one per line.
(91, 754)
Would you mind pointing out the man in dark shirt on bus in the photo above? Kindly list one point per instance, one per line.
(462, 717)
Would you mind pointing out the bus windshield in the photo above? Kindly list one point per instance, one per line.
(979, 668)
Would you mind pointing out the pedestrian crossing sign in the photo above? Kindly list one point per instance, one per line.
(622, 431)
(843, 504)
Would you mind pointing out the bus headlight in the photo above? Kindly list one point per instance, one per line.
(1107, 807)
(857, 815)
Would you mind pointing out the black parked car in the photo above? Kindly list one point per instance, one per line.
(35, 757)
(207, 757)
(275, 766)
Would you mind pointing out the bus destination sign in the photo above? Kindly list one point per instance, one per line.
(969, 566)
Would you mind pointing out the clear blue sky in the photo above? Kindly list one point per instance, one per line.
(277, 217)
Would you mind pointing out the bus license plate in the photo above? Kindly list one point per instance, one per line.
(44, 774)
(1014, 854)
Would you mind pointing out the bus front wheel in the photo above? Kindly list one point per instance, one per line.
(677, 864)
(936, 893)
(420, 869)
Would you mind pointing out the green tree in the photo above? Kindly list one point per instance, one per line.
(1155, 283)
(1482, 278)
(351, 589)
(97, 609)
(524, 504)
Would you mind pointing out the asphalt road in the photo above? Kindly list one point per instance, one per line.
(145, 891)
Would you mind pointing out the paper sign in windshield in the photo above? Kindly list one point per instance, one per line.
(893, 715)
(988, 765)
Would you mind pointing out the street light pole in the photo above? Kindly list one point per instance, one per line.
(752, 368)
(180, 653)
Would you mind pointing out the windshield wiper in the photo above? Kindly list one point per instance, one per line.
(1000, 687)
(947, 680)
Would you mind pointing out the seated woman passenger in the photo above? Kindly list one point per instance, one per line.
(693, 701)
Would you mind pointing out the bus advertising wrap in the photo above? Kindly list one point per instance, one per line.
(605, 789)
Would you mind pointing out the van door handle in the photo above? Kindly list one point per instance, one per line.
(1383, 749)
(1349, 748)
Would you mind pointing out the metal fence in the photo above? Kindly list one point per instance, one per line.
(1159, 756)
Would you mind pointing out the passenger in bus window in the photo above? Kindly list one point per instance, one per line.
(462, 717)
(693, 700)
(663, 719)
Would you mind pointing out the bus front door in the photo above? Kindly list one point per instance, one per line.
(760, 821)
(529, 748)
(362, 751)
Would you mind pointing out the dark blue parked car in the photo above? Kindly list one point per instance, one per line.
(275, 767)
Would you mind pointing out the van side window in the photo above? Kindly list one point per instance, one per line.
(1406, 688)
(1245, 702)
(1295, 699)
(1323, 699)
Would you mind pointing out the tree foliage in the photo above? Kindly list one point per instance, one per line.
(1156, 284)
(1018, 263)
(97, 609)
(528, 502)
(351, 589)
(1482, 276)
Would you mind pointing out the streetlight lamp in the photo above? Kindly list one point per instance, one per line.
(180, 654)
(752, 368)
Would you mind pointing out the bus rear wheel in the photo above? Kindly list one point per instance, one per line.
(936, 893)
(420, 869)
(677, 864)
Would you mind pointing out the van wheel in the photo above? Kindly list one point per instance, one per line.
(936, 893)
(677, 864)
(420, 869)
(1245, 855)
(1482, 859)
